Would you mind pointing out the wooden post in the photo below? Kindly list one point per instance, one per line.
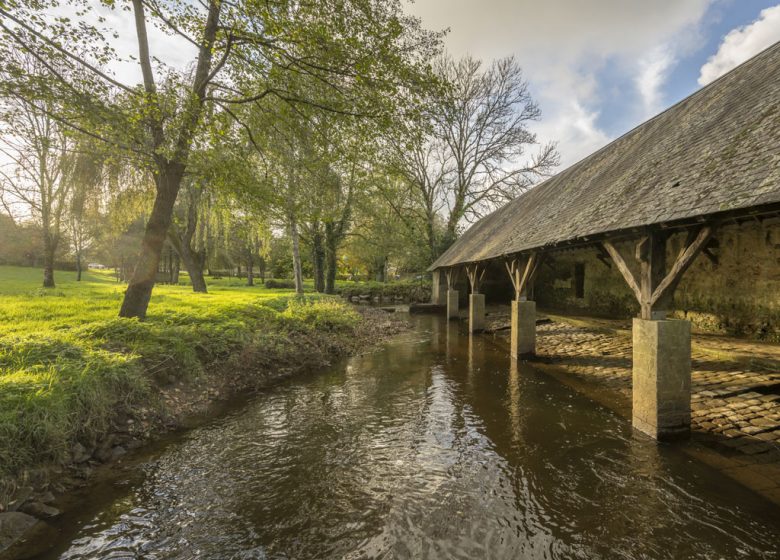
(476, 300)
(661, 376)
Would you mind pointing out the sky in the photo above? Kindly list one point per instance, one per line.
(598, 68)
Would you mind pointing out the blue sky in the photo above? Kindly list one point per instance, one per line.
(600, 67)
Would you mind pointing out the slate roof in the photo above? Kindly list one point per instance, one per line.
(717, 150)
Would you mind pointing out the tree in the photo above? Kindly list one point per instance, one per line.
(182, 234)
(473, 155)
(484, 122)
(249, 240)
(37, 175)
(83, 206)
(362, 50)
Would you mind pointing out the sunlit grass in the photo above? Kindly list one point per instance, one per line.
(68, 362)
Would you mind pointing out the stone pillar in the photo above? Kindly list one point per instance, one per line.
(476, 313)
(452, 304)
(662, 378)
(523, 339)
(438, 288)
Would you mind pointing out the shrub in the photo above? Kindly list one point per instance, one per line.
(410, 291)
(274, 283)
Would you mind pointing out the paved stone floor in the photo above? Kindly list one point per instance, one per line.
(735, 397)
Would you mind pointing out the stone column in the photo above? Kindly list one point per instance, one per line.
(523, 339)
(476, 313)
(662, 378)
(452, 304)
(438, 288)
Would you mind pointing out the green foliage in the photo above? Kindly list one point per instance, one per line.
(68, 365)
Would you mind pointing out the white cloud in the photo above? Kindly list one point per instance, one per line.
(575, 129)
(742, 43)
(564, 45)
(653, 71)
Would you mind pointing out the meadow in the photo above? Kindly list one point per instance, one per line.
(68, 363)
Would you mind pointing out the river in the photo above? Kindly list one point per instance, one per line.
(433, 446)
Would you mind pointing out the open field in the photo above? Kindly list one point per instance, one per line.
(68, 363)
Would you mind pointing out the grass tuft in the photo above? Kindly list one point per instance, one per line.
(69, 365)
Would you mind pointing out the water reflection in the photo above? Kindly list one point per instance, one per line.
(439, 446)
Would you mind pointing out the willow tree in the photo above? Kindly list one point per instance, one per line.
(244, 53)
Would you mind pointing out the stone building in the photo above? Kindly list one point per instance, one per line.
(734, 289)
(696, 187)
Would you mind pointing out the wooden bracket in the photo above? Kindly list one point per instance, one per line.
(711, 246)
(475, 276)
(513, 269)
(621, 265)
(693, 245)
(522, 280)
(655, 286)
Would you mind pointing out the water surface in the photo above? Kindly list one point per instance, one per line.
(435, 446)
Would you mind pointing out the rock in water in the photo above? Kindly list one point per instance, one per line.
(13, 526)
(23, 536)
(40, 510)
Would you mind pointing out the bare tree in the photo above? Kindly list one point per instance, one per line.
(36, 173)
(475, 154)
(484, 122)
(419, 198)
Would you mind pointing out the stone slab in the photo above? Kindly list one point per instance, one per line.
(476, 313)
(452, 304)
(523, 336)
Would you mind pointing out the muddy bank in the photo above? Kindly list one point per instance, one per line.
(44, 491)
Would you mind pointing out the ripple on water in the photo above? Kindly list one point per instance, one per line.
(436, 448)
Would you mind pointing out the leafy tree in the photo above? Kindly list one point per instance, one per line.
(361, 51)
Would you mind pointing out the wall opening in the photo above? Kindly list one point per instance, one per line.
(579, 280)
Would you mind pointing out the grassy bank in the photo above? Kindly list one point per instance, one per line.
(69, 365)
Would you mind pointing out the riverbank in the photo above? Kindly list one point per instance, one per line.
(735, 397)
(80, 387)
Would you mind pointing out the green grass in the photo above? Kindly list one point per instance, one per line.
(68, 364)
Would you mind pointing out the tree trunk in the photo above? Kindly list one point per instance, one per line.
(139, 290)
(297, 271)
(176, 268)
(250, 272)
(331, 264)
(381, 269)
(49, 248)
(78, 266)
(318, 257)
(430, 233)
(193, 262)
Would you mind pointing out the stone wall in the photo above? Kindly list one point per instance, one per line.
(739, 295)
